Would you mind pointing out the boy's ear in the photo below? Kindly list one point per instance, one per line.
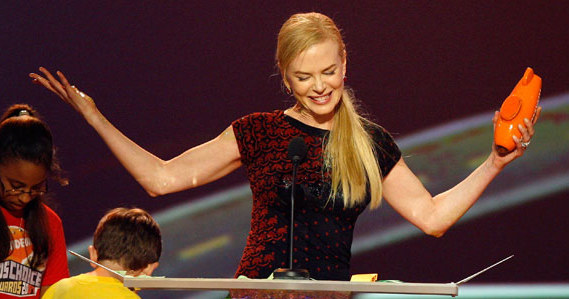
(93, 256)
(150, 268)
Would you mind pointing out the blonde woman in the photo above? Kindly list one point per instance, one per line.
(350, 162)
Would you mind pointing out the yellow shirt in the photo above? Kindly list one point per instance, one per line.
(89, 287)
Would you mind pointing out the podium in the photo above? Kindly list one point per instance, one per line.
(263, 288)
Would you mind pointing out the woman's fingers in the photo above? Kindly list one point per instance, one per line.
(519, 147)
(526, 136)
(537, 115)
(54, 83)
(67, 92)
(72, 91)
(37, 79)
(529, 129)
(530, 124)
(63, 80)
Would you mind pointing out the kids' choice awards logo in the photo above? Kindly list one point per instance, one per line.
(16, 276)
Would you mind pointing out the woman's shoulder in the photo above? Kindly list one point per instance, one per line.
(255, 116)
(384, 142)
(377, 131)
(263, 119)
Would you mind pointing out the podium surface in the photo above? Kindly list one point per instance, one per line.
(297, 286)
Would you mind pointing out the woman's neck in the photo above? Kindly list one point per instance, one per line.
(304, 116)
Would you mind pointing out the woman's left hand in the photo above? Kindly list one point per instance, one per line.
(500, 161)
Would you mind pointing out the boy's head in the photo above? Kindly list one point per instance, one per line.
(128, 237)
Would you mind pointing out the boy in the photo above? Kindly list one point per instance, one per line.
(125, 240)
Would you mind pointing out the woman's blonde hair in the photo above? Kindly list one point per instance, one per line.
(349, 152)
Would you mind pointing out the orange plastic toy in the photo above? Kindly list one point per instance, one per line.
(522, 103)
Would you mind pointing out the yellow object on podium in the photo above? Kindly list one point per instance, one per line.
(364, 277)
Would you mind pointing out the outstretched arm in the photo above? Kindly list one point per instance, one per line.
(196, 166)
(435, 215)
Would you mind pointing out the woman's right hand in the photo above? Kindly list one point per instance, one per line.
(81, 102)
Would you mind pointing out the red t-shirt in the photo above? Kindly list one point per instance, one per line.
(17, 278)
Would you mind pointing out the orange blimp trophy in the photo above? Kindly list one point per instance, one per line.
(522, 103)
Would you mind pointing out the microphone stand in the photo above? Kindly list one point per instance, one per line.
(291, 273)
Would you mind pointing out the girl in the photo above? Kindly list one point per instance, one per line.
(32, 244)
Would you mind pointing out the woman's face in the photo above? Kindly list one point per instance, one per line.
(21, 181)
(316, 78)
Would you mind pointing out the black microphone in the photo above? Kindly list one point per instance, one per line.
(296, 152)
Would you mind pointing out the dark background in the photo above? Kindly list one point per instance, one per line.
(174, 74)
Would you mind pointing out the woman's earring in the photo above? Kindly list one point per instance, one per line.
(345, 78)
(288, 90)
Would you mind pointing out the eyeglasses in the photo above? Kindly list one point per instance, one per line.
(20, 192)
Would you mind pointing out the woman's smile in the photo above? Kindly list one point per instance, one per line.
(322, 99)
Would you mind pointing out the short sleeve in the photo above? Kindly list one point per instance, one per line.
(388, 153)
(56, 268)
(248, 130)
